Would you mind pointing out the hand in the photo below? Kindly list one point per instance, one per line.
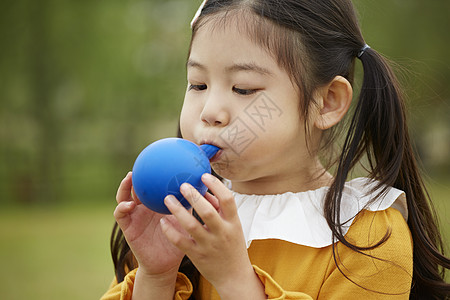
(142, 230)
(217, 248)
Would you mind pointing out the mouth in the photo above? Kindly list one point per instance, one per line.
(217, 156)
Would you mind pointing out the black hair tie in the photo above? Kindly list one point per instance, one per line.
(363, 50)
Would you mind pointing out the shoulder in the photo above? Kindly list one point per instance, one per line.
(388, 249)
(384, 269)
(385, 266)
(369, 227)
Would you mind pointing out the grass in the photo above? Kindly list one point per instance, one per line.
(63, 252)
(59, 253)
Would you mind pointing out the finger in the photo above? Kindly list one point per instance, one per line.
(223, 194)
(172, 220)
(187, 221)
(213, 200)
(124, 191)
(207, 212)
(178, 238)
(122, 213)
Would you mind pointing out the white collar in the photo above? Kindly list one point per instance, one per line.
(298, 217)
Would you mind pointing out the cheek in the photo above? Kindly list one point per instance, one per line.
(278, 134)
(187, 120)
(189, 117)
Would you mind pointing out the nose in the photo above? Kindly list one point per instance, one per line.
(215, 111)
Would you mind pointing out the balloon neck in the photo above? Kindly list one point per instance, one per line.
(210, 150)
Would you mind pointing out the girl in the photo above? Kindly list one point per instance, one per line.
(268, 83)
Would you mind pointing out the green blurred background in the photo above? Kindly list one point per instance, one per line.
(86, 85)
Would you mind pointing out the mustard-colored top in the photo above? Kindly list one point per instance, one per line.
(292, 271)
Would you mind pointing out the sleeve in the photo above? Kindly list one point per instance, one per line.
(124, 289)
(384, 272)
(274, 291)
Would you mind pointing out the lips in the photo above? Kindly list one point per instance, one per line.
(210, 142)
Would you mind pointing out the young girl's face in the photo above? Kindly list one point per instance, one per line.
(239, 99)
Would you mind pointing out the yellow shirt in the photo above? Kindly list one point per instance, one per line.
(292, 271)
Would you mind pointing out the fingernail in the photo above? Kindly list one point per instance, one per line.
(171, 199)
(184, 187)
(207, 177)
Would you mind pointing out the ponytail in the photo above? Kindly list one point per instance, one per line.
(378, 130)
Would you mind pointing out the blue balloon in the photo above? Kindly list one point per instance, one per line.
(163, 166)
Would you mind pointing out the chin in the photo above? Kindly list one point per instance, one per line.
(230, 172)
(222, 169)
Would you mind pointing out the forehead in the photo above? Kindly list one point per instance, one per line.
(237, 25)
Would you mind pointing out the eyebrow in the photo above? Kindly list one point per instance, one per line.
(238, 67)
(193, 64)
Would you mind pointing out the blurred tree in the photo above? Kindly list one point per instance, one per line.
(42, 80)
(84, 86)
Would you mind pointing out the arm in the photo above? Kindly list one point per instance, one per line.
(151, 286)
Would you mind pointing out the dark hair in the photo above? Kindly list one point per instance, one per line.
(323, 37)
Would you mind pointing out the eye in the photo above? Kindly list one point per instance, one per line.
(244, 92)
(197, 87)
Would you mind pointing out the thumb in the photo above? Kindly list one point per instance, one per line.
(122, 213)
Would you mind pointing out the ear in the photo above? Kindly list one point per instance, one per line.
(334, 100)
